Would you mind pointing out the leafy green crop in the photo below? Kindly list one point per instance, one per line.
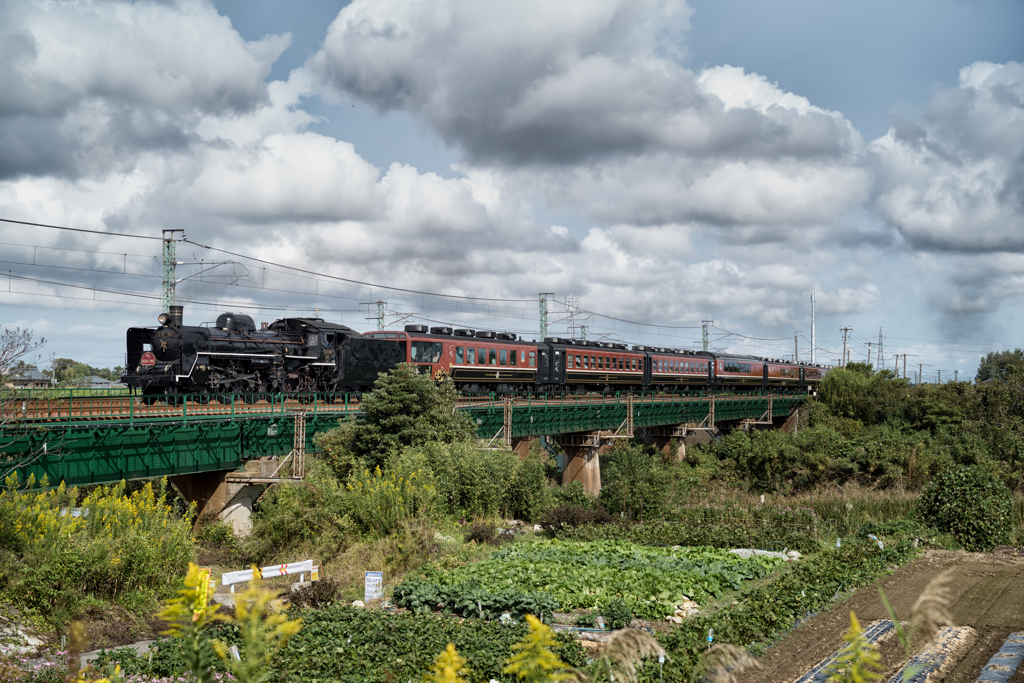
(652, 581)
(470, 600)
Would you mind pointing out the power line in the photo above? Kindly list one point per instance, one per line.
(357, 282)
(95, 232)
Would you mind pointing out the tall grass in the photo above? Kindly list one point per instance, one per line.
(57, 546)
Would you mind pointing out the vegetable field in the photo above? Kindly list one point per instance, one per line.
(583, 575)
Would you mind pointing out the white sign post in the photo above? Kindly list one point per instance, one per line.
(373, 586)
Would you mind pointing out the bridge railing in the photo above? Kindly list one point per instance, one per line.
(42, 408)
(85, 405)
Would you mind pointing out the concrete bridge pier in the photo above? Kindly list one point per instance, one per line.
(521, 446)
(226, 494)
(582, 458)
(682, 435)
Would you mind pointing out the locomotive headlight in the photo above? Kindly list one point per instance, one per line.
(163, 318)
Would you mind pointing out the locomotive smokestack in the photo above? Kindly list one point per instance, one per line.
(177, 315)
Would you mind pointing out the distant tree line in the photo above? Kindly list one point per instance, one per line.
(67, 370)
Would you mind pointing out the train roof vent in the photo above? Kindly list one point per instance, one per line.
(416, 329)
(507, 336)
(462, 332)
(639, 348)
(620, 346)
(550, 340)
(485, 334)
(440, 330)
(607, 345)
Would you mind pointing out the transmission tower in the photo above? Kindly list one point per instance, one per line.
(704, 326)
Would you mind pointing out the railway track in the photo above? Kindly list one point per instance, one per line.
(121, 406)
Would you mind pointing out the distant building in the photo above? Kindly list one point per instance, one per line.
(28, 379)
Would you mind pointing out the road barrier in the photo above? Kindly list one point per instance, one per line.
(244, 575)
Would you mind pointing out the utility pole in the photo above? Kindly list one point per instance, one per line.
(940, 376)
(904, 366)
(544, 313)
(796, 348)
(704, 325)
(380, 314)
(170, 261)
(956, 375)
(920, 372)
(869, 353)
(845, 331)
(812, 328)
(583, 332)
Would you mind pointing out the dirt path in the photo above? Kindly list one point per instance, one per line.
(986, 593)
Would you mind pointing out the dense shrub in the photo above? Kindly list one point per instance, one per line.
(472, 481)
(316, 595)
(634, 482)
(971, 504)
(62, 547)
(482, 533)
(307, 514)
(557, 519)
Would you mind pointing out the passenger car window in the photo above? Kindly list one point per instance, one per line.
(494, 357)
(533, 359)
(425, 352)
(481, 357)
(460, 355)
(503, 354)
(512, 357)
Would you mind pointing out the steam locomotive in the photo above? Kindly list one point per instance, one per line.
(312, 355)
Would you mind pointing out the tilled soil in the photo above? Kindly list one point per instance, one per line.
(986, 592)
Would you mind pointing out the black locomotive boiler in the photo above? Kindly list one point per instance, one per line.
(232, 356)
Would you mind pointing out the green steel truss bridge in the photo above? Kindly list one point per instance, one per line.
(100, 437)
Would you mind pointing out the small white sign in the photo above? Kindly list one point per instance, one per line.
(373, 586)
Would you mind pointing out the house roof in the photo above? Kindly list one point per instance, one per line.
(32, 375)
(92, 379)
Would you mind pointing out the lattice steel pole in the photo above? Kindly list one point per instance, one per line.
(544, 313)
(380, 314)
(170, 261)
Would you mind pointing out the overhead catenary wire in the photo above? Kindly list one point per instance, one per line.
(95, 232)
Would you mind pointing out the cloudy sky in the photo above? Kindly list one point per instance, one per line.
(666, 163)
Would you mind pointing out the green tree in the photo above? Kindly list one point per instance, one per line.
(1000, 365)
(406, 409)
